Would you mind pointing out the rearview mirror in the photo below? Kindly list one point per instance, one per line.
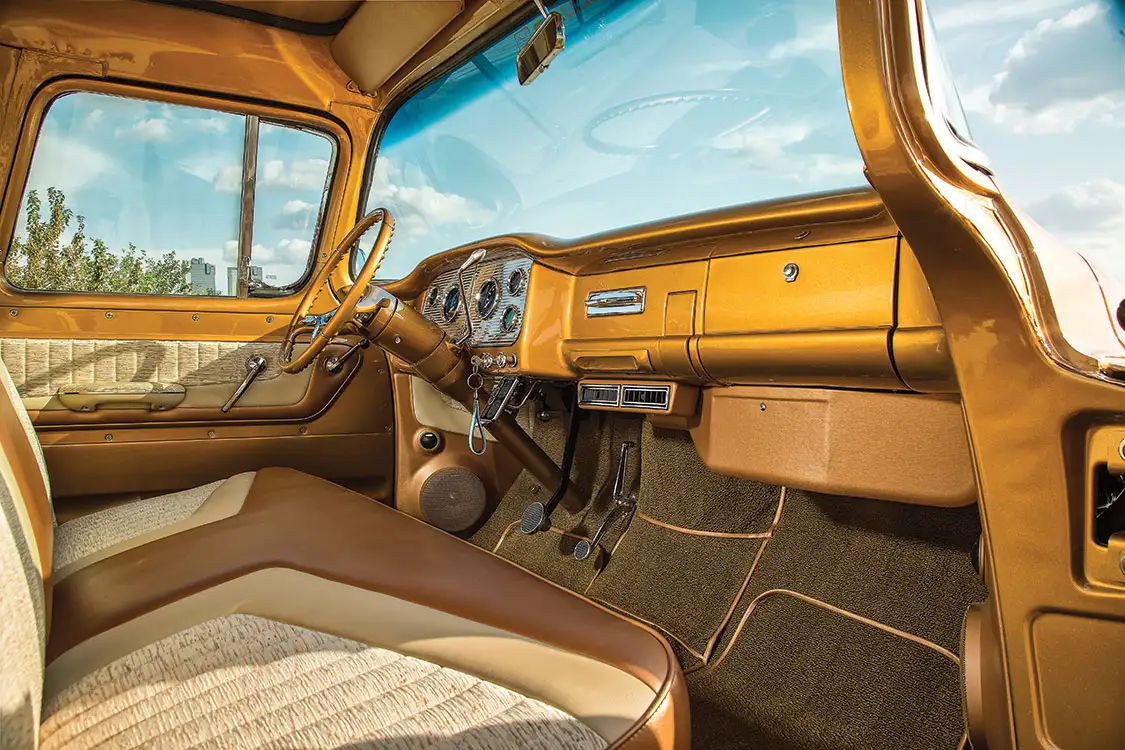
(543, 47)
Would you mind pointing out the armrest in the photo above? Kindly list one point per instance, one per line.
(95, 396)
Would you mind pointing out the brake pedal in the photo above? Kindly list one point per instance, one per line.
(623, 507)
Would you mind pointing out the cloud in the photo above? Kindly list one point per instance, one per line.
(215, 124)
(307, 174)
(418, 209)
(228, 179)
(978, 13)
(148, 129)
(286, 252)
(1062, 73)
(67, 164)
(1088, 217)
(93, 118)
(1094, 206)
(822, 38)
(769, 147)
(296, 214)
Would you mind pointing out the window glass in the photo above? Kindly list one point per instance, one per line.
(1043, 84)
(655, 108)
(133, 196)
(292, 180)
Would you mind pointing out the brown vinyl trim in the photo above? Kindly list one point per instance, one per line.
(297, 521)
(698, 532)
(831, 608)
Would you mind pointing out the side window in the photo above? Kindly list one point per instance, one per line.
(1043, 84)
(142, 197)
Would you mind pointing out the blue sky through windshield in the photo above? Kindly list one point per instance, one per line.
(655, 108)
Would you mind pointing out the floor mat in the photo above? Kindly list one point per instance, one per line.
(907, 566)
(551, 555)
(685, 583)
(803, 676)
(678, 489)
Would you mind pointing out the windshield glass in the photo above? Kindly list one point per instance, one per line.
(655, 108)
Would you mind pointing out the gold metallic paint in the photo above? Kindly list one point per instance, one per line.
(1029, 394)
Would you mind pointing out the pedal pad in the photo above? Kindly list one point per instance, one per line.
(535, 518)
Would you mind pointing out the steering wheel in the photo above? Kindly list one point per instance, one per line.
(326, 326)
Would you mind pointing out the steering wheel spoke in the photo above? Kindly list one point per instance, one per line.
(324, 327)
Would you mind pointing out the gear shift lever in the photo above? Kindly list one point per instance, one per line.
(623, 506)
(474, 257)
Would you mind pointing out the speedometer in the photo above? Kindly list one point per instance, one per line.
(487, 298)
(452, 301)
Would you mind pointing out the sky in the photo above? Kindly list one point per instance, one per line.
(655, 108)
(167, 179)
(752, 108)
(1043, 87)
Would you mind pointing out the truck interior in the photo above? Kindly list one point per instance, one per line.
(498, 374)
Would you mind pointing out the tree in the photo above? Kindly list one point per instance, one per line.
(42, 261)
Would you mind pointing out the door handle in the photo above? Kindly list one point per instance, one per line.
(254, 367)
(94, 396)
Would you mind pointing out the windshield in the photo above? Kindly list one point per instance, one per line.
(654, 109)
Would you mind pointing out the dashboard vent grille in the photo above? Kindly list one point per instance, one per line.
(654, 397)
(599, 395)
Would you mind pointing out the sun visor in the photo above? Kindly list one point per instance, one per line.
(383, 34)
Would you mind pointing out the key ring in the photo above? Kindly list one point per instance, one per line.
(475, 381)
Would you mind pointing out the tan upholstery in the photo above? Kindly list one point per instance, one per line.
(277, 609)
(245, 681)
(39, 366)
(90, 538)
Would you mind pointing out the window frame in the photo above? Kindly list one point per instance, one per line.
(506, 26)
(44, 98)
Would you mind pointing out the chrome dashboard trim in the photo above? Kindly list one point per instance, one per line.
(615, 302)
(497, 265)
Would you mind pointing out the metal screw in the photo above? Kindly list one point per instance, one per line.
(790, 272)
(1121, 449)
(109, 316)
(803, 235)
(210, 433)
(762, 406)
(1121, 564)
(13, 313)
(108, 437)
(269, 318)
(195, 317)
(398, 339)
(304, 430)
(544, 416)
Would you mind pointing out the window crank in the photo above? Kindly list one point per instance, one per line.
(254, 367)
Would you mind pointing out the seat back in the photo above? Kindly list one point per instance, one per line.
(26, 540)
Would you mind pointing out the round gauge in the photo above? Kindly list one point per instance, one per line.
(515, 282)
(487, 297)
(432, 297)
(452, 300)
(510, 320)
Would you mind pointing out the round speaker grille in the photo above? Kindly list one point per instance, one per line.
(453, 499)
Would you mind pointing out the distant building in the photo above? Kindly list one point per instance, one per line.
(232, 278)
(202, 277)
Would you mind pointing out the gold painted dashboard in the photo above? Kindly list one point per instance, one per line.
(820, 291)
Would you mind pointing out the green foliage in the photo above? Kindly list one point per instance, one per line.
(84, 264)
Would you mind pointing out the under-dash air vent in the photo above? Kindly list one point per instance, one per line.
(599, 395)
(654, 397)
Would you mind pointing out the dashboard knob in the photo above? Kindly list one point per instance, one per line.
(501, 360)
(486, 361)
(512, 360)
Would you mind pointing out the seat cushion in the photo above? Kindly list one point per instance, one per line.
(87, 539)
(250, 682)
(309, 553)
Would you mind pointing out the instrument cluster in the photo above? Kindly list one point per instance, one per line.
(497, 299)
